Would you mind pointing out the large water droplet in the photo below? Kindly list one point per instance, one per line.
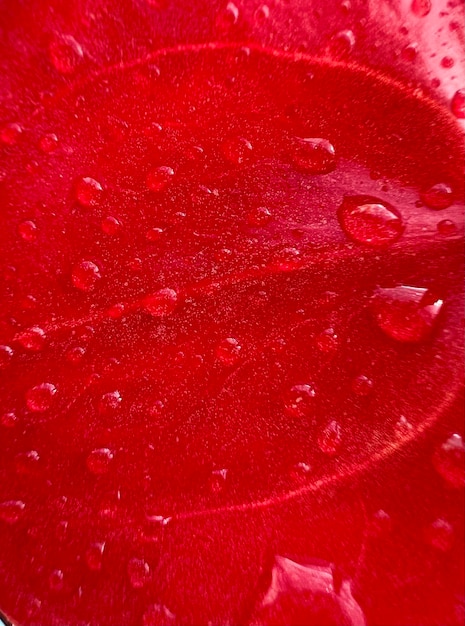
(457, 104)
(40, 397)
(88, 191)
(421, 8)
(27, 230)
(362, 385)
(138, 572)
(11, 511)
(342, 44)
(370, 221)
(163, 302)
(159, 178)
(227, 17)
(407, 314)
(8, 420)
(110, 402)
(437, 197)
(330, 438)
(10, 133)
(228, 351)
(32, 339)
(449, 461)
(85, 275)
(48, 143)
(314, 155)
(110, 225)
(299, 401)
(447, 228)
(65, 54)
(99, 461)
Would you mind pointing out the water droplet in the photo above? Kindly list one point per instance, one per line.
(56, 580)
(138, 572)
(421, 8)
(370, 221)
(262, 13)
(65, 54)
(89, 192)
(217, 480)
(410, 52)
(94, 556)
(437, 197)
(362, 385)
(154, 234)
(11, 511)
(227, 17)
(447, 62)
(449, 460)
(380, 524)
(298, 401)
(8, 420)
(158, 615)
(110, 402)
(439, 535)
(407, 314)
(85, 275)
(116, 311)
(32, 339)
(27, 463)
(341, 44)
(39, 398)
(6, 355)
(10, 133)
(259, 216)
(300, 472)
(99, 461)
(228, 351)
(330, 439)
(237, 150)
(287, 259)
(75, 354)
(327, 341)
(27, 230)
(159, 178)
(457, 104)
(446, 228)
(110, 225)
(163, 302)
(48, 143)
(314, 155)
(403, 429)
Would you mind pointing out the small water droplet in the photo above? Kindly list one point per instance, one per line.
(10, 133)
(110, 402)
(40, 398)
(8, 420)
(217, 480)
(380, 524)
(330, 439)
(370, 221)
(227, 17)
(409, 53)
(447, 62)
(446, 228)
(158, 615)
(237, 150)
(94, 556)
(162, 302)
(362, 385)
(6, 355)
(65, 54)
(327, 341)
(75, 354)
(439, 535)
(287, 259)
(437, 197)
(88, 192)
(138, 572)
(406, 314)
(116, 311)
(259, 216)
(159, 178)
(99, 461)
(27, 463)
(86, 275)
(27, 230)
(457, 104)
(299, 401)
(449, 461)
(262, 13)
(421, 8)
(341, 44)
(228, 351)
(314, 155)
(11, 511)
(56, 580)
(48, 143)
(110, 225)
(403, 429)
(32, 339)
(154, 234)
(300, 472)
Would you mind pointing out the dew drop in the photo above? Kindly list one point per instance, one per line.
(446, 228)
(447, 62)
(449, 461)
(409, 53)
(39, 398)
(75, 354)
(259, 216)
(88, 191)
(262, 13)
(162, 302)
(111, 226)
(421, 8)
(327, 341)
(237, 150)
(341, 44)
(32, 339)
(159, 178)
(6, 355)
(11, 511)
(330, 439)
(8, 420)
(370, 221)
(158, 615)
(380, 524)
(300, 472)
(110, 402)
(227, 17)
(228, 351)
(65, 54)
(217, 480)
(457, 104)
(86, 275)
(299, 401)
(437, 197)
(94, 556)
(154, 234)
(314, 155)
(27, 463)
(56, 580)
(362, 385)
(48, 143)
(115, 312)
(403, 429)
(287, 259)
(99, 461)
(138, 572)
(406, 314)
(27, 230)
(439, 535)
(10, 133)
